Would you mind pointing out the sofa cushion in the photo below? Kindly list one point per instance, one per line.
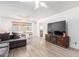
(3, 51)
(15, 36)
(4, 36)
(11, 37)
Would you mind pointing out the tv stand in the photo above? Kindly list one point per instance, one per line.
(62, 41)
(58, 40)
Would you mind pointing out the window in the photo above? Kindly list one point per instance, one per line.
(22, 27)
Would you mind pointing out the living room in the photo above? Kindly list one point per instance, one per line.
(27, 28)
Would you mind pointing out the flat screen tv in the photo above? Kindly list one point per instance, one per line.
(57, 27)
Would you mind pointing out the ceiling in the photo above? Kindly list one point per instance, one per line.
(25, 10)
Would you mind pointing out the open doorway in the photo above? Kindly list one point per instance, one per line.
(41, 30)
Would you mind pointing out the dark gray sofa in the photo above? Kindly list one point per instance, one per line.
(13, 42)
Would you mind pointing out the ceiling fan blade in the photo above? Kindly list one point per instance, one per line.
(36, 4)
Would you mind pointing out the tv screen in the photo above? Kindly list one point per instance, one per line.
(57, 26)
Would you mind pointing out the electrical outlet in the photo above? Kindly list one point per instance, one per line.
(75, 43)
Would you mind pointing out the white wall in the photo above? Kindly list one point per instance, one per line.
(72, 18)
(5, 24)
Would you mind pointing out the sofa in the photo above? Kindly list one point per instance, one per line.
(14, 40)
(4, 49)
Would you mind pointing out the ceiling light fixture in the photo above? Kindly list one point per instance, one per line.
(40, 4)
(36, 4)
(43, 4)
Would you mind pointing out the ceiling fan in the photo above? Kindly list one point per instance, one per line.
(39, 4)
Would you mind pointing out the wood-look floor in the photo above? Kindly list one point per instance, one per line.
(38, 47)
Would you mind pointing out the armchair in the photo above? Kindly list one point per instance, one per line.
(4, 49)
